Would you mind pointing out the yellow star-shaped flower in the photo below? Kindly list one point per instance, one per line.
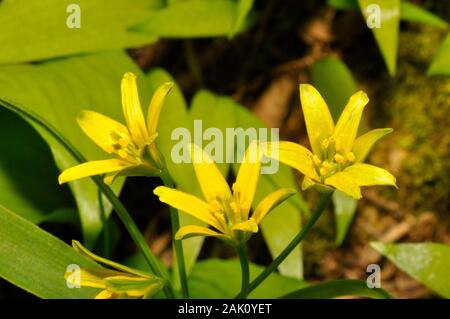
(227, 211)
(337, 155)
(132, 145)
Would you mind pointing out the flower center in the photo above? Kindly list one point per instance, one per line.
(122, 147)
(331, 161)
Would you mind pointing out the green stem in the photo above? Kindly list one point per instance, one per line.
(121, 211)
(178, 245)
(323, 203)
(245, 271)
(106, 235)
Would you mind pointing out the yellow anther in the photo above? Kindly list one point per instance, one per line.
(350, 156)
(323, 171)
(339, 158)
(317, 160)
(326, 165)
(235, 207)
(109, 148)
(123, 142)
(215, 205)
(325, 143)
(122, 153)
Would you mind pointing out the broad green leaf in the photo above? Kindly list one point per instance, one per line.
(174, 115)
(215, 278)
(57, 90)
(344, 210)
(428, 263)
(335, 82)
(214, 114)
(387, 12)
(338, 288)
(441, 62)
(193, 18)
(28, 175)
(284, 222)
(36, 261)
(242, 10)
(408, 12)
(36, 30)
(336, 91)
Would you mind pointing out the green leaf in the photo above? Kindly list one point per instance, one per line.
(175, 115)
(344, 210)
(441, 62)
(193, 18)
(336, 91)
(338, 288)
(242, 11)
(58, 90)
(414, 13)
(386, 34)
(284, 222)
(344, 4)
(28, 175)
(335, 82)
(36, 30)
(35, 261)
(428, 263)
(215, 278)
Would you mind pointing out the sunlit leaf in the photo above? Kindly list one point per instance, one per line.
(428, 263)
(441, 62)
(344, 210)
(242, 10)
(36, 30)
(36, 261)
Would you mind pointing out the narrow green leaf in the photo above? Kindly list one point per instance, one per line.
(335, 82)
(344, 4)
(35, 261)
(58, 90)
(338, 288)
(414, 13)
(36, 30)
(344, 210)
(242, 11)
(387, 13)
(28, 175)
(428, 263)
(215, 278)
(193, 18)
(441, 61)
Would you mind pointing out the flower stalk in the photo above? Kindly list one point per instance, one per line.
(241, 251)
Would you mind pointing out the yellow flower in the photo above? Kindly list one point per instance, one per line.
(227, 211)
(119, 282)
(133, 145)
(337, 155)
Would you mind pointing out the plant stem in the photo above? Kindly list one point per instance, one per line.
(323, 203)
(245, 270)
(106, 236)
(121, 211)
(178, 245)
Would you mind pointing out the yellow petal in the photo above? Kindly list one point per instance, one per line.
(133, 286)
(247, 178)
(211, 180)
(348, 123)
(345, 183)
(364, 143)
(307, 183)
(103, 130)
(194, 230)
(104, 294)
(249, 225)
(366, 175)
(270, 202)
(80, 249)
(293, 155)
(92, 168)
(189, 204)
(156, 104)
(132, 110)
(318, 120)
